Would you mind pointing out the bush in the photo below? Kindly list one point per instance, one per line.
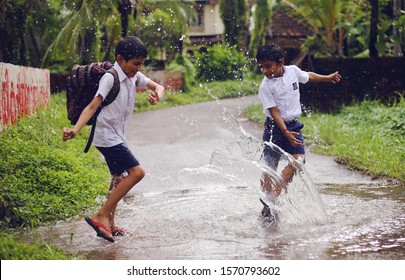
(219, 63)
(183, 64)
(43, 179)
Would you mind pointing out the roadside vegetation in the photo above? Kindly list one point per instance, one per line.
(13, 249)
(43, 180)
(368, 136)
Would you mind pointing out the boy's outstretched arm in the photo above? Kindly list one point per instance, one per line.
(157, 92)
(333, 78)
(85, 116)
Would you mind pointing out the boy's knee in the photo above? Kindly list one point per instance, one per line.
(301, 159)
(141, 173)
(137, 172)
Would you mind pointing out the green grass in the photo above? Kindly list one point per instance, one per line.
(255, 113)
(42, 179)
(368, 136)
(14, 249)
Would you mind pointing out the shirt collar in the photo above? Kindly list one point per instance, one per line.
(121, 74)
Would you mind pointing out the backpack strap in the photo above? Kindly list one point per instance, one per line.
(115, 88)
(108, 100)
(93, 128)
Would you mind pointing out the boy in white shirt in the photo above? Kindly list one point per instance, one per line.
(280, 96)
(112, 125)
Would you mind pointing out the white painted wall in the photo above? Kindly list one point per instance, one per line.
(23, 90)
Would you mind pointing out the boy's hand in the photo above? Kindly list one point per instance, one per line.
(68, 133)
(290, 135)
(335, 78)
(153, 98)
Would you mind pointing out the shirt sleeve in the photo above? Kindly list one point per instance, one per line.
(142, 80)
(105, 85)
(302, 76)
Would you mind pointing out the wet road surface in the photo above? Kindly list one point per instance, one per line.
(200, 198)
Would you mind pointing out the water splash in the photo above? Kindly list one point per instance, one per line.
(241, 161)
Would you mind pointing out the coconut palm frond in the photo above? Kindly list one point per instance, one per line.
(66, 42)
(322, 17)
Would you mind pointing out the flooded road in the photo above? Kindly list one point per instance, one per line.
(200, 198)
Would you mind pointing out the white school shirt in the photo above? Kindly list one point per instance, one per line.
(114, 119)
(283, 92)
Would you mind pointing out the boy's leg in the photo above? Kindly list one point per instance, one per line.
(115, 180)
(119, 159)
(273, 186)
(268, 184)
(271, 156)
(288, 173)
(135, 174)
(298, 153)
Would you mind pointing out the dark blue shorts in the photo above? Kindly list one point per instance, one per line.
(273, 133)
(119, 158)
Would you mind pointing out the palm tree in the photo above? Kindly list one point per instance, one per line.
(163, 26)
(80, 39)
(125, 8)
(326, 18)
(95, 26)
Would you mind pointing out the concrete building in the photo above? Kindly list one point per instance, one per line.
(206, 26)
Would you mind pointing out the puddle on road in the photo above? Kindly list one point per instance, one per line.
(213, 212)
(367, 220)
(212, 216)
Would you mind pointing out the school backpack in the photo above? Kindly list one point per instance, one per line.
(81, 87)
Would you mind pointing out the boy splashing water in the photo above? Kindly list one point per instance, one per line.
(280, 96)
(112, 125)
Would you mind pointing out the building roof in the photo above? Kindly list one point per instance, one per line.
(287, 31)
(284, 25)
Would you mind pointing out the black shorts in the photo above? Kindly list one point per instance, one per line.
(273, 133)
(119, 158)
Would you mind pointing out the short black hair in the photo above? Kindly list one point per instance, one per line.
(131, 47)
(270, 52)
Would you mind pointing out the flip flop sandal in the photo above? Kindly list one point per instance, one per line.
(96, 226)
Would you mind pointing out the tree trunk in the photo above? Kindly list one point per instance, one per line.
(125, 8)
(373, 29)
